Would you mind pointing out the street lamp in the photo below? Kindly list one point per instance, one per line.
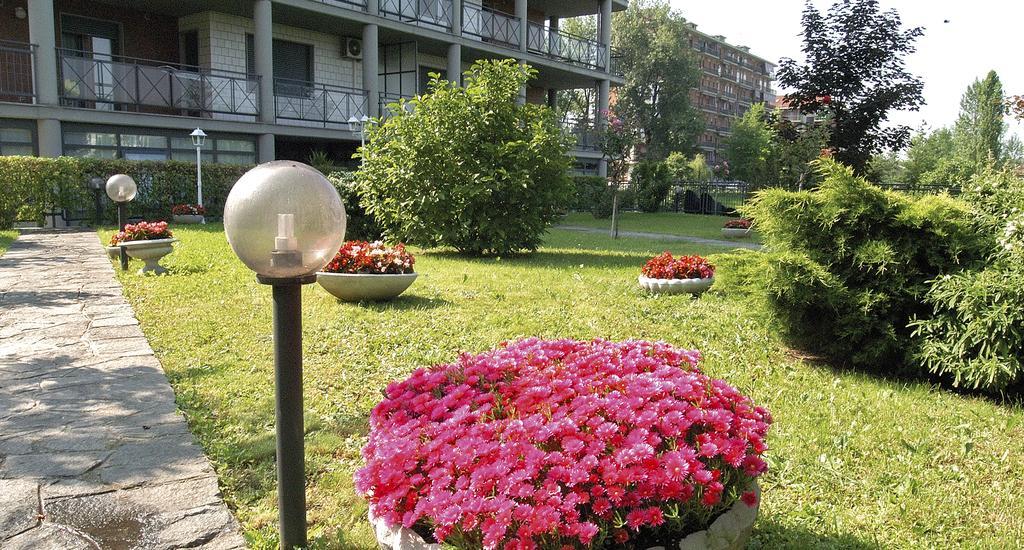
(198, 139)
(121, 189)
(359, 125)
(285, 221)
(97, 185)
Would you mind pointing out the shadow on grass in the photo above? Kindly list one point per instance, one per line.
(405, 302)
(769, 534)
(546, 259)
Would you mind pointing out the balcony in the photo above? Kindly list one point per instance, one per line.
(490, 25)
(358, 5)
(431, 14)
(17, 84)
(301, 103)
(131, 84)
(563, 46)
(587, 137)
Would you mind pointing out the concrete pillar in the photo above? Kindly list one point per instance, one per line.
(371, 70)
(552, 97)
(603, 89)
(41, 32)
(265, 148)
(455, 63)
(457, 17)
(605, 32)
(263, 41)
(554, 45)
(373, 7)
(521, 16)
(50, 140)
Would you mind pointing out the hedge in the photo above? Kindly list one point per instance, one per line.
(32, 186)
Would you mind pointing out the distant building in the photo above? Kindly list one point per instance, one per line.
(732, 79)
(792, 114)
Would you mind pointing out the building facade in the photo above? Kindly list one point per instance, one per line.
(265, 79)
(731, 80)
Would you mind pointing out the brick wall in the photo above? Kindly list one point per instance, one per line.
(12, 28)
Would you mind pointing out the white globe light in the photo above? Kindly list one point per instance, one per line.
(284, 219)
(121, 188)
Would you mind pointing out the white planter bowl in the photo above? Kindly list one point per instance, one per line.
(113, 252)
(187, 218)
(357, 287)
(730, 531)
(675, 286)
(150, 252)
(735, 232)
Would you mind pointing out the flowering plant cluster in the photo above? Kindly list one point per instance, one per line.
(664, 266)
(188, 210)
(367, 257)
(562, 444)
(738, 224)
(142, 231)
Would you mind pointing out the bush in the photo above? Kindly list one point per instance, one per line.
(854, 262)
(589, 190)
(468, 167)
(359, 225)
(652, 182)
(603, 208)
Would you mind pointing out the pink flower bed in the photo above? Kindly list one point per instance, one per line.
(558, 444)
(142, 231)
(664, 266)
(367, 257)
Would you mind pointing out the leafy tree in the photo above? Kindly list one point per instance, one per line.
(885, 168)
(468, 167)
(926, 150)
(855, 71)
(979, 131)
(652, 181)
(659, 73)
(751, 147)
(797, 146)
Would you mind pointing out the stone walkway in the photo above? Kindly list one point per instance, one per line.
(663, 237)
(93, 453)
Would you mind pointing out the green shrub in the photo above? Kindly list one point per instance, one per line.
(603, 207)
(359, 225)
(652, 182)
(589, 190)
(468, 167)
(856, 261)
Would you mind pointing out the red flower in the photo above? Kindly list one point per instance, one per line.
(738, 224)
(188, 210)
(367, 257)
(142, 231)
(749, 498)
(664, 266)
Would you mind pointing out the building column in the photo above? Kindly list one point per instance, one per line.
(371, 70)
(51, 143)
(455, 63)
(456, 17)
(606, 32)
(552, 97)
(265, 148)
(41, 32)
(553, 40)
(523, 24)
(263, 42)
(603, 89)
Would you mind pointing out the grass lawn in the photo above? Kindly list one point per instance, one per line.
(691, 225)
(7, 236)
(856, 461)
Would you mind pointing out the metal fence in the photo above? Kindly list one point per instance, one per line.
(919, 189)
(16, 78)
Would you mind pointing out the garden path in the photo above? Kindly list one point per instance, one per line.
(665, 237)
(93, 452)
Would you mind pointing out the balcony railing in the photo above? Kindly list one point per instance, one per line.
(385, 99)
(616, 63)
(314, 104)
(91, 81)
(359, 5)
(17, 84)
(563, 46)
(587, 137)
(490, 25)
(433, 14)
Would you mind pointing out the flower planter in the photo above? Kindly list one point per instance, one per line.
(357, 287)
(113, 252)
(735, 232)
(150, 252)
(730, 531)
(675, 286)
(188, 218)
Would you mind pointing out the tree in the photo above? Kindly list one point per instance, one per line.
(885, 168)
(978, 133)
(926, 150)
(659, 71)
(468, 167)
(750, 148)
(797, 146)
(855, 71)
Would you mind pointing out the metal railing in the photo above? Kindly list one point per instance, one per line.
(616, 63)
(110, 82)
(17, 81)
(359, 5)
(588, 138)
(433, 14)
(707, 197)
(490, 25)
(385, 99)
(563, 46)
(324, 105)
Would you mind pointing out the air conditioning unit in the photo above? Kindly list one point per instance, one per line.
(352, 48)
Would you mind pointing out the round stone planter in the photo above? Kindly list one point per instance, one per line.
(150, 252)
(735, 232)
(187, 218)
(113, 252)
(675, 286)
(730, 531)
(357, 287)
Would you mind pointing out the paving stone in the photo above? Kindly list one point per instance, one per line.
(19, 506)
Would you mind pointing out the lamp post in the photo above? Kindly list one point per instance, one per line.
(198, 139)
(97, 184)
(285, 221)
(359, 125)
(121, 189)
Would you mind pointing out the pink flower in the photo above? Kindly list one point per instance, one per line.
(749, 498)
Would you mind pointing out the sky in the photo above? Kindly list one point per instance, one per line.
(981, 35)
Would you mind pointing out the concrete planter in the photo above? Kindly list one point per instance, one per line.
(730, 531)
(188, 218)
(675, 286)
(735, 232)
(357, 287)
(113, 252)
(150, 252)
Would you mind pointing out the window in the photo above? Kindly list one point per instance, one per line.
(293, 68)
(15, 140)
(83, 141)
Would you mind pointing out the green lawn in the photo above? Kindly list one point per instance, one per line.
(7, 236)
(691, 225)
(856, 461)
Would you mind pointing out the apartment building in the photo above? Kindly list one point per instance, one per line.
(264, 79)
(731, 80)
